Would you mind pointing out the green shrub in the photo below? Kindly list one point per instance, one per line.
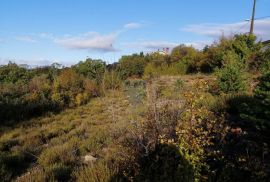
(92, 69)
(231, 79)
(12, 73)
(258, 111)
(132, 66)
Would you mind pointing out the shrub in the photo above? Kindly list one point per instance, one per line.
(199, 130)
(231, 79)
(183, 52)
(132, 66)
(66, 87)
(82, 98)
(12, 73)
(258, 110)
(92, 69)
(91, 88)
(151, 71)
(112, 80)
(177, 68)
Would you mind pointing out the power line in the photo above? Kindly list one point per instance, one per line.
(242, 27)
(263, 17)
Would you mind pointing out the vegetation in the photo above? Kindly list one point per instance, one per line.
(192, 115)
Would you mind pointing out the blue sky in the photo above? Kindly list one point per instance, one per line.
(40, 32)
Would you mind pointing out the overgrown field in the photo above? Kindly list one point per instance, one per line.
(133, 134)
(191, 115)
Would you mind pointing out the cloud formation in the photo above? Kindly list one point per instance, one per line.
(94, 41)
(133, 25)
(30, 62)
(261, 29)
(89, 41)
(26, 38)
(153, 45)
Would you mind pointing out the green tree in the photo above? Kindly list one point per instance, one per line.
(92, 69)
(132, 66)
(12, 73)
(231, 78)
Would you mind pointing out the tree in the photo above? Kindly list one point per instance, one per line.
(12, 73)
(92, 69)
(183, 52)
(230, 77)
(132, 65)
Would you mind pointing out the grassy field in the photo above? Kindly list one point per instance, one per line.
(68, 136)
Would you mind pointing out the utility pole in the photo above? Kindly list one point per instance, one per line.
(252, 19)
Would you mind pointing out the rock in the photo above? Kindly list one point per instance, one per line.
(89, 159)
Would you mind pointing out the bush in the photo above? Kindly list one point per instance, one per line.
(177, 68)
(132, 66)
(92, 69)
(183, 52)
(231, 79)
(12, 73)
(112, 80)
(68, 89)
(259, 110)
(199, 130)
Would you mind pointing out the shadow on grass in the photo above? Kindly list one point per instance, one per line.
(164, 164)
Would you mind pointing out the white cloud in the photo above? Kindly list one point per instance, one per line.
(133, 25)
(89, 41)
(261, 29)
(152, 45)
(155, 45)
(198, 44)
(26, 39)
(30, 62)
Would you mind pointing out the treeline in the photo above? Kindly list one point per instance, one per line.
(25, 93)
(244, 50)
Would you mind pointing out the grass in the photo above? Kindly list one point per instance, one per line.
(57, 143)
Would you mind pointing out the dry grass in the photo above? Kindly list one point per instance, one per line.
(64, 138)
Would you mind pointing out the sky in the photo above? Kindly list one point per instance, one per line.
(41, 32)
